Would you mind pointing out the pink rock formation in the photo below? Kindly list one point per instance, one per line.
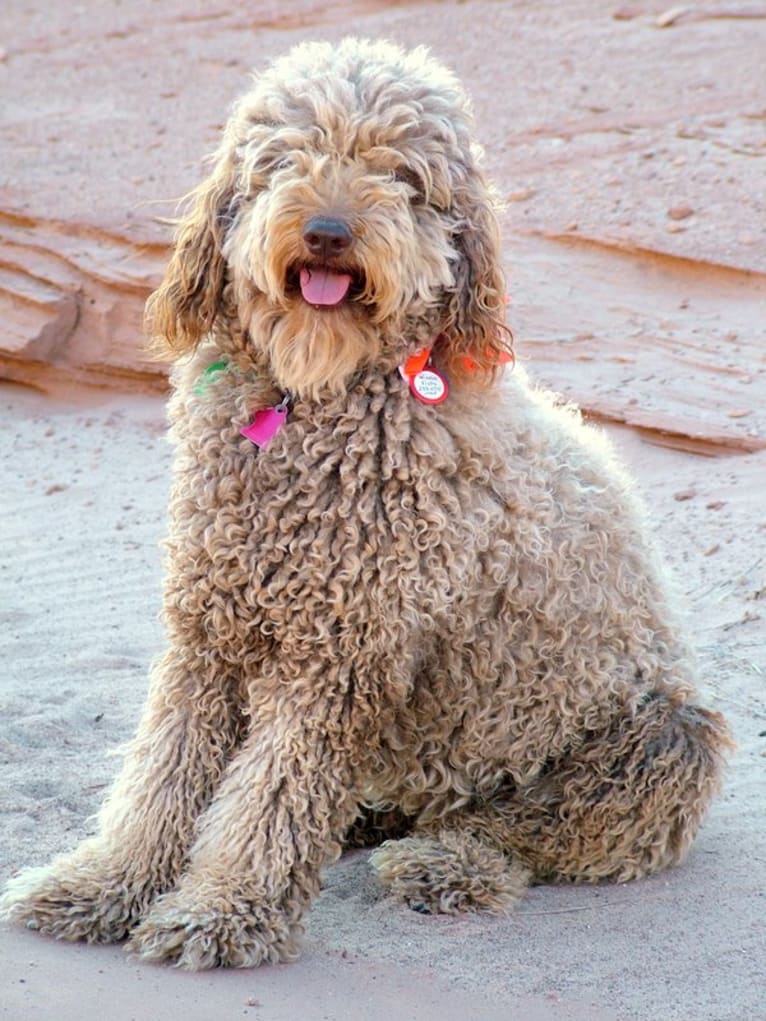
(627, 141)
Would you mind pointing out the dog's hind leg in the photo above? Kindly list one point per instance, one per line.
(98, 891)
(458, 866)
(626, 802)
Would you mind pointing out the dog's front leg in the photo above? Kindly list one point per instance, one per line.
(98, 891)
(277, 817)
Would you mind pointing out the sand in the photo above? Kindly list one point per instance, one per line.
(84, 488)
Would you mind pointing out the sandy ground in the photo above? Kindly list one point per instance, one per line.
(84, 487)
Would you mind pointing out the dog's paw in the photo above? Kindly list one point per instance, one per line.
(229, 934)
(76, 903)
(450, 875)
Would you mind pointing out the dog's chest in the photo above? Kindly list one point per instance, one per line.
(338, 519)
(371, 509)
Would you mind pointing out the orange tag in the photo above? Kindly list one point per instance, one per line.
(415, 363)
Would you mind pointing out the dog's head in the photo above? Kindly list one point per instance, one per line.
(346, 222)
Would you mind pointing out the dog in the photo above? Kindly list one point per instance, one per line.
(409, 597)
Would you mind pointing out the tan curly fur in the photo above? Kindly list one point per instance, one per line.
(449, 614)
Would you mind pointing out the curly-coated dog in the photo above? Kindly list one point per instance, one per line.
(401, 582)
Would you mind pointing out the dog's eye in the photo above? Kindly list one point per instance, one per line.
(272, 162)
(266, 161)
(404, 175)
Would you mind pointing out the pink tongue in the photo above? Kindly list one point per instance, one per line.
(321, 287)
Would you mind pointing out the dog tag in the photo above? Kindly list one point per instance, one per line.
(265, 425)
(429, 386)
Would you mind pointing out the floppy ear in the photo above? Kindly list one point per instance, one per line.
(190, 298)
(478, 342)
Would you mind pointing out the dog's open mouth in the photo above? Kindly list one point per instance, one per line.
(324, 287)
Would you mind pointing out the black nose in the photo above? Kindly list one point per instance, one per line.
(327, 238)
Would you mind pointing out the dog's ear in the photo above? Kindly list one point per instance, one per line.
(478, 342)
(190, 298)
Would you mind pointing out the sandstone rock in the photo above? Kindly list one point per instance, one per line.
(114, 105)
(71, 303)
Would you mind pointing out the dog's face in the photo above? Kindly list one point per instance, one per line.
(345, 223)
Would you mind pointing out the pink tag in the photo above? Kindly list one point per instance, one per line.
(265, 425)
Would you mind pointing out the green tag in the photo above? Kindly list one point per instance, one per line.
(209, 374)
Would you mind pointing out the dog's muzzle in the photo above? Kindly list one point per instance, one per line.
(324, 279)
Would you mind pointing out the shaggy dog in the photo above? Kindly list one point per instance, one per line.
(396, 582)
